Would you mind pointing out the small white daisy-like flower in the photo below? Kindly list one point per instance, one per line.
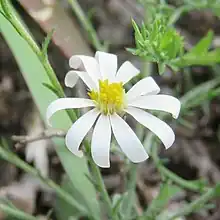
(110, 102)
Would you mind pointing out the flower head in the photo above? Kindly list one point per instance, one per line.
(109, 98)
(109, 101)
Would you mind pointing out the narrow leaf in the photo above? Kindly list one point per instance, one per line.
(161, 67)
(208, 59)
(62, 209)
(50, 87)
(46, 43)
(203, 45)
(138, 34)
(167, 191)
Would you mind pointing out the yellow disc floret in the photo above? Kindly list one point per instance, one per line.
(110, 97)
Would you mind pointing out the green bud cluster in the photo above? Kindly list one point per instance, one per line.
(157, 42)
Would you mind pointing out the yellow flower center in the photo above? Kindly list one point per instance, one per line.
(110, 97)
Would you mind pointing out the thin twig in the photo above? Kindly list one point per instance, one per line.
(47, 134)
(87, 25)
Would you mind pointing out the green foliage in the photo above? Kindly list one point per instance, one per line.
(200, 54)
(157, 42)
(167, 191)
(154, 9)
(213, 5)
(217, 190)
(120, 206)
(61, 205)
(160, 43)
(46, 43)
(119, 203)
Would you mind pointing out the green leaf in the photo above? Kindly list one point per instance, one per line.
(176, 14)
(131, 50)
(197, 95)
(50, 87)
(120, 206)
(138, 34)
(199, 54)
(161, 67)
(116, 203)
(203, 45)
(217, 190)
(35, 76)
(167, 191)
(216, 10)
(157, 42)
(62, 209)
(208, 59)
(46, 43)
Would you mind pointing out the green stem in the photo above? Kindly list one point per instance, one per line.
(14, 159)
(87, 25)
(172, 176)
(99, 181)
(131, 190)
(16, 213)
(10, 14)
(195, 205)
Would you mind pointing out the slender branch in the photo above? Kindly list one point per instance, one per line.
(87, 25)
(16, 213)
(172, 176)
(47, 134)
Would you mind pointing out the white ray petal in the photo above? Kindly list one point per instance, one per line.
(127, 140)
(101, 138)
(165, 103)
(107, 64)
(72, 77)
(126, 72)
(163, 131)
(78, 131)
(87, 64)
(143, 87)
(67, 103)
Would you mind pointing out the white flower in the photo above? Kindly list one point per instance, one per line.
(110, 101)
